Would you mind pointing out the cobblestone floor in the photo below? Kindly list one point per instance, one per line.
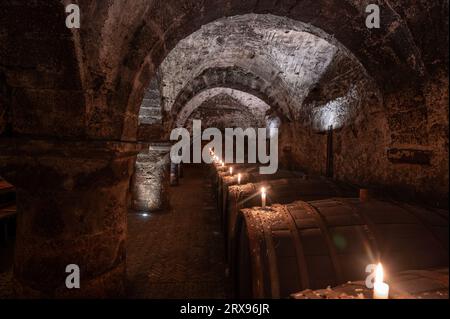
(176, 254)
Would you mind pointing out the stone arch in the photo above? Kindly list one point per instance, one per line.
(250, 107)
(107, 80)
(273, 93)
(385, 53)
(264, 44)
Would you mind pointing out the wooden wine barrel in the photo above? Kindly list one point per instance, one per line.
(218, 168)
(250, 176)
(311, 245)
(412, 284)
(245, 170)
(224, 172)
(281, 191)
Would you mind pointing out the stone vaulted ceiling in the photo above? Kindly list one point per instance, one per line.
(223, 108)
(293, 60)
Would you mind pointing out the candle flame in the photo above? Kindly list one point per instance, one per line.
(263, 190)
(379, 274)
(231, 170)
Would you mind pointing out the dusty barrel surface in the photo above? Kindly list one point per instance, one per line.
(224, 171)
(217, 172)
(225, 179)
(412, 284)
(289, 248)
(250, 176)
(281, 191)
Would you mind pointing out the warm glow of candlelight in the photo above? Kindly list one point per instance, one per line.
(379, 274)
(231, 171)
(380, 289)
(239, 178)
(263, 197)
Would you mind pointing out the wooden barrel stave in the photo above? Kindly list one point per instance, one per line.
(251, 176)
(416, 284)
(281, 191)
(224, 178)
(316, 250)
(352, 255)
(397, 233)
(221, 172)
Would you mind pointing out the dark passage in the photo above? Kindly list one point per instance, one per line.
(178, 253)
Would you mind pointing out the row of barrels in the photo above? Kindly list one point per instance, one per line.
(317, 233)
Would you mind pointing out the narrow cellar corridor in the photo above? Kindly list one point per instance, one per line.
(178, 253)
(318, 129)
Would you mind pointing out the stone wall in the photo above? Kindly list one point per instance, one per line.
(225, 110)
(150, 110)
(402, 152)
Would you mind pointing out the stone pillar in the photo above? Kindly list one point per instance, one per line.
(174, 178)
(150, 178)
(180, 171)
(71, 203)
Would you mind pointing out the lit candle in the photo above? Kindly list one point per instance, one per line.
(263, 197)
(239, 178)
(222, 163)
(380, 289)
(231, 171)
